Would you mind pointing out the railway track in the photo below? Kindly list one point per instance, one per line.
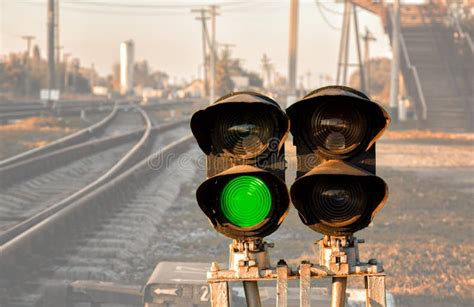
(14, 111)
(45, 224)
(54, 180)
(121, 119)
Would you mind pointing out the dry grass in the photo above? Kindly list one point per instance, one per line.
(35, 124)
(35, 132)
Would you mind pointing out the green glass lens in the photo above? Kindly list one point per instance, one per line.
(245, 201)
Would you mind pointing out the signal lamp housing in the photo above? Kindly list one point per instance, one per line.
(243, 136)
(334, 130)
(244, 202)
(337, 198)
(337, 122)
(241, 125)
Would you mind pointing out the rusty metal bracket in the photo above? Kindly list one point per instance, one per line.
(338, 259)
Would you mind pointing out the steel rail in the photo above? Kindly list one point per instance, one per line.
(86, 208)
(114, 171)
(63, 142)
(119, 166)
(65, 108)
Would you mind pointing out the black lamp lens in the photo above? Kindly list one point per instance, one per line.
(338, 202)
(338, 129)
(244, 134)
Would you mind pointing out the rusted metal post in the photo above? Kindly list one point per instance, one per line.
(375, 291)
(220, 294)
(338, 291)
(282, 284)
(305, 284)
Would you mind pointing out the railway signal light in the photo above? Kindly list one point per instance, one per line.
(334, 130)
(243, 136)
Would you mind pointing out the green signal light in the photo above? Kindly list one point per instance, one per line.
(246, 201)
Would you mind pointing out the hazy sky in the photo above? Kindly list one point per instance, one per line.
(169, 37)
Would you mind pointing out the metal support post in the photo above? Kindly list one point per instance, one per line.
(292, 52)
(282, 284)
(375, 291)
(305, 284)
(252, 296)
(248, 260)
(339, 260)
(338, 292)
(220, 294)
(394, 77)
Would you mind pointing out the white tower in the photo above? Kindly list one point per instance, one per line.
(126, 67)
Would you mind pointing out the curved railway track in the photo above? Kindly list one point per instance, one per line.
(102, 244)
(19, 110)
(120, 120)
(34, 185)
(26, 200)
(34, 228)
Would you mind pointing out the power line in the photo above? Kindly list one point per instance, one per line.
(114, 12)
(234, 5)
(138, 5)
(325, 19)
(320, 3)
(144, 9)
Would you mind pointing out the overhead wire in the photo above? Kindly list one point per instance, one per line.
(329, 10)
(153, 9)
(325, 19)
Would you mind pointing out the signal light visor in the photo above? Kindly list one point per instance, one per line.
(244, 134)
(337, 122)
(243, 126)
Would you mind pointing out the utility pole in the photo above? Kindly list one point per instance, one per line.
(368, 37)
(57, 44)
(348, 33)
(344, 45)
(363, 84)
(92, 75)
(212, 83)
(56, 32)
(205, 37)
(308, 79)
(266, 71)
(301, 87)
(394, 77)
(293, 45)
(28, 39)
(66, 79)
(51, 45)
